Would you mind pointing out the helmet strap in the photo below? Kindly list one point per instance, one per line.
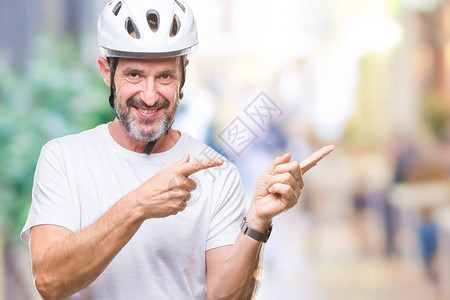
(148, 149)
(112, 71)
(183, 75)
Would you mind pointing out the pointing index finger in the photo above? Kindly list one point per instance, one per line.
(314, 158)
(191, 167)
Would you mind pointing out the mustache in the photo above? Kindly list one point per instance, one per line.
(163, 103)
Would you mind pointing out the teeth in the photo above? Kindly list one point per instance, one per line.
(146, 111)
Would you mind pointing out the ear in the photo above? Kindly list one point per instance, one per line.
(186, 63)
(104, 69)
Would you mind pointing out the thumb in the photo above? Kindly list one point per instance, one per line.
(279, 160)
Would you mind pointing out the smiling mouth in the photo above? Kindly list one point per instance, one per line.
(146, 111)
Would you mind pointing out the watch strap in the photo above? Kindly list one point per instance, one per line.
(259, 236)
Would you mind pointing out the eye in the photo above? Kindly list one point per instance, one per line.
(166, 76)
(134, 75)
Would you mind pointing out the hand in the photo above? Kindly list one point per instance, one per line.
(280, 187)
(167, 192)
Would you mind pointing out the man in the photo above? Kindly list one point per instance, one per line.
(111, 216)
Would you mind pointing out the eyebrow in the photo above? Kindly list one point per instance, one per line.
(169, 71)
(129, 70)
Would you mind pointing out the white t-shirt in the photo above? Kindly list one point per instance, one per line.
(79, 177)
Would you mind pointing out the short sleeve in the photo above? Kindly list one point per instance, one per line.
(228, 213)
(52, 202)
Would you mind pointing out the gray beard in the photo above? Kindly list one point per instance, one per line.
(133, 126)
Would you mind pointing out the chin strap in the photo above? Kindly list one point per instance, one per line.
(113, 61)
(148, 149)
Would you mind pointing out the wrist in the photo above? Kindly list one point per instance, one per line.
(135, 210)
(255, 234)
(257, 223)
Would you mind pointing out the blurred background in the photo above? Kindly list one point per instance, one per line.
(370, 76)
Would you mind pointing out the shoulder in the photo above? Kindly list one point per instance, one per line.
(73, 145)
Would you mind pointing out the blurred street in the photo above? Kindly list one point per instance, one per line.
(330, 250)
(325, 260)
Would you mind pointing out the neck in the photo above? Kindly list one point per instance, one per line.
(164, 143)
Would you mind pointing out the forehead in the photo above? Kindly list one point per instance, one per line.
(149, 63)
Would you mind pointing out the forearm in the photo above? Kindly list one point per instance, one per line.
(236, 279)
(71, 264)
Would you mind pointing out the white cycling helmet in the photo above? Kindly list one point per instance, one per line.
(146, 29)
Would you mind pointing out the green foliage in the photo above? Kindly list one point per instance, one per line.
(55, 96)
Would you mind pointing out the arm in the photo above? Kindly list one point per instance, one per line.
(278, 189)
(234, 264)
(64, 262)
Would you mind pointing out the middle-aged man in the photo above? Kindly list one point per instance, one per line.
(111, 215)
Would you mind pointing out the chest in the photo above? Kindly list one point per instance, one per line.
(97, 184)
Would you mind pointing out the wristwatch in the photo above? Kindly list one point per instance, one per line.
(259, 236)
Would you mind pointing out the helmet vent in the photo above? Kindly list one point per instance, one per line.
(117, 8)
(153, 20)
(131, 28)
(175, 26)
(180, 5)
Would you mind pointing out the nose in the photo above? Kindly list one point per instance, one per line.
(149, 92)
